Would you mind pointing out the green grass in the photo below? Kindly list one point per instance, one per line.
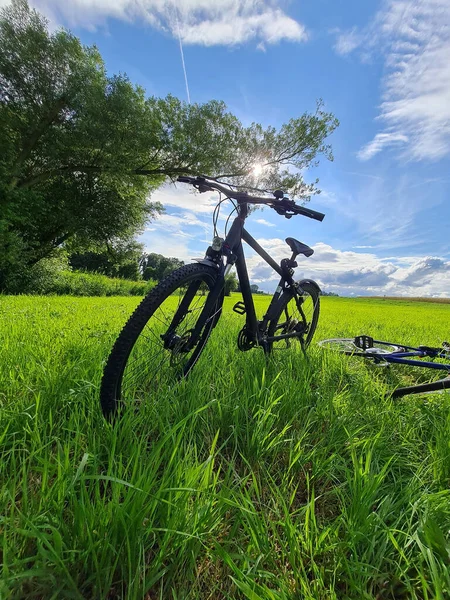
(279, 479)
(77, 283)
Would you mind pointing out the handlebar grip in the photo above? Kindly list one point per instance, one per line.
(312, 214)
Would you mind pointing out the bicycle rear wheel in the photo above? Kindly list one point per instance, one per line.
(348, 346)
(297, 315)
(155, 348)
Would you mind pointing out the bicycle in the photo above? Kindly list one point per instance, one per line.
(386, 353)
(163, 339)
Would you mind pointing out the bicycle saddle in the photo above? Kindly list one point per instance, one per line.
(299, 248)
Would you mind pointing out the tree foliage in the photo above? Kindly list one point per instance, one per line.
(82, 151)
(117, 259)
(231, 284)
(156, 267)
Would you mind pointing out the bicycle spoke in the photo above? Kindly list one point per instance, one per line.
(130, 373)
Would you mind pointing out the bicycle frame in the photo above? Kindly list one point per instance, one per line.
(233, 251)
(405, 357)
(400, 358)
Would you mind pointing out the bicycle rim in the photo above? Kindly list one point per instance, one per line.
(348, 346)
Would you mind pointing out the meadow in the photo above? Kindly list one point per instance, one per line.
(287, 478)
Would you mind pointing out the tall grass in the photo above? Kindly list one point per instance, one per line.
(279, 479)
(77, 283)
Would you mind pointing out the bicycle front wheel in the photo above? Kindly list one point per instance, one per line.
(297, 319)
(156, 348)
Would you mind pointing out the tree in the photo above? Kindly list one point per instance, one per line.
(254, 288)
(118, 259)
(82, 151)
(57, 109)
(231, 284)
(156, 266)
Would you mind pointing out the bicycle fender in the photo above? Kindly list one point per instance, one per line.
(311, 282)
(207, 262)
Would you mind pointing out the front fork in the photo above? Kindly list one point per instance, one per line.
(212, 258)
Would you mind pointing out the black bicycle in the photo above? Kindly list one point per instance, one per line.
(164, 337)
(387, 353)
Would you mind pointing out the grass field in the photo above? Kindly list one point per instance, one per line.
(279, 479)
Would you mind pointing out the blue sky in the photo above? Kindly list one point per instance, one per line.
(382, 68)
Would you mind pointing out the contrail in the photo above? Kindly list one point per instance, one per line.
(182, 58)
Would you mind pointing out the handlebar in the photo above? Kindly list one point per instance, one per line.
(283, 206)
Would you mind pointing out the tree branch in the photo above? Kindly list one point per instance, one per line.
(30, 181)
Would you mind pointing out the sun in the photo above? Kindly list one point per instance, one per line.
(257, 169)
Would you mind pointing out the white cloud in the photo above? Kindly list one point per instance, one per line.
(264, 222)
(414, 39)
(167, 245)
(185, 230)
(424, 271)
(204, 22)
(357, 273)
(185, 197)
(177, 224)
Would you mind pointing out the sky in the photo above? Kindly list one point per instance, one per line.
(381, 67)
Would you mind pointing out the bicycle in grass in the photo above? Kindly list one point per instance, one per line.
(388, 353)
(163, 339)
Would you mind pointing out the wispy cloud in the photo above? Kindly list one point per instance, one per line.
(379, 142)
(414, 40)
(347, 41)
(388, 212)
(203, 22)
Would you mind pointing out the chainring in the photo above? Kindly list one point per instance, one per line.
(244, 342)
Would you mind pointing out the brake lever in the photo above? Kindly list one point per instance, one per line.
(202, 186)
(280, 210)
(284, 206)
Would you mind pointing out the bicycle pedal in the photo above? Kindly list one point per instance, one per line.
(364, 342)
(239, 308)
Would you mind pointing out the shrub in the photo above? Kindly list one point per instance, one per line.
(52, 277)
(75, 283)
